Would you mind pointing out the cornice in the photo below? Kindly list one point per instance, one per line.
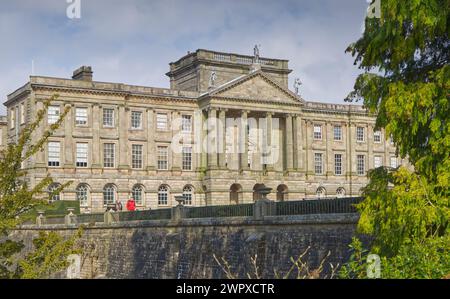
(250, 100)
(125, 94)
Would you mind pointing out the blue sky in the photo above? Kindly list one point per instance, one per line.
(133, 41)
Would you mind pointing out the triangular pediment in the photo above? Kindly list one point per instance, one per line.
(256, 86)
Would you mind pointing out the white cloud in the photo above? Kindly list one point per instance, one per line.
(133, 41)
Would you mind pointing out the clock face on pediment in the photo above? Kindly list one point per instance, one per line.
(256, 87)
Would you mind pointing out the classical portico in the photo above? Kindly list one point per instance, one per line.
(254, 133)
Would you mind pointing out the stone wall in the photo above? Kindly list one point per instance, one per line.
(162, 249)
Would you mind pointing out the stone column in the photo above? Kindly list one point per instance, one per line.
(278, 147)
(40, 155)
(257, 153)
(298, 143)
(329, 156)
(352, 143)
(349, 157)
(96, 146)
(176, 156)
(369, 139)
(348, 149)
(204, 140)
(68, 146)
(151, 148)
(212, 138)
(289, 144)
(268, 142)
(123, 137)
(387, 144)
(234, 154)
(307, 137)
(222, 140)
(199, 138)
(243, 141)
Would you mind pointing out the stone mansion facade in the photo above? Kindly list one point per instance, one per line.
(116, 141)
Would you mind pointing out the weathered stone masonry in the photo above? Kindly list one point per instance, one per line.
(322, 150)
(161, 249)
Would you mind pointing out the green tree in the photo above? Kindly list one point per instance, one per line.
(405, 58)
(17, 198)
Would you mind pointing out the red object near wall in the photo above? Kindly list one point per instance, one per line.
(131, 205)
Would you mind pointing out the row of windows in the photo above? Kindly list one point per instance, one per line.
(109, 156)
(81, 118)
(110, 194)
(137, 193)
(337, 134)
(81, 159)
(360, 163)
(321, 192)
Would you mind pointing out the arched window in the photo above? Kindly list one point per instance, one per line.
(321, 192)
(340, 192)
(51, 189)
(163, 195)
(109, 194)
(82, 194)
(282, 192)
(188, 193)
(137, 194)
(235, 194)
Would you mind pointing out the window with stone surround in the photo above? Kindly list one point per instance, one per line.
(186, 123)
(109, 194)
(391, 139)
(137, 194)
(188, 193)
(163, 195)
(82, 155)
(321, 192)
(377, 161)
(81, 116)
(163, 158)
(136, 156)
(318, 164)
(82, 194)
(337, 133)
(377, 136)
(53, 113)
(340, 192)
(52, 191)
(22, 113)
(12, 118)
(136, 120)
(108, 117)
(317, 132)
(161, 121)
(54, 151)
(338, 164)
(108, 155)
(394, 162)
(360, 164)
(360, 134)
(187, 157)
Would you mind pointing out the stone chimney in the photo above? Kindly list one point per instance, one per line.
(84, 73)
